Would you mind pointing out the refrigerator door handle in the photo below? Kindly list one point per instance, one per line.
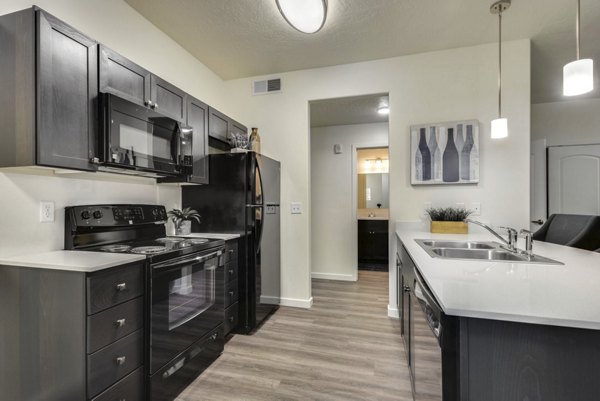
(262, 212)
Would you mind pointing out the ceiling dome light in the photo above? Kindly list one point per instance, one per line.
(307, 16)
(384, 110)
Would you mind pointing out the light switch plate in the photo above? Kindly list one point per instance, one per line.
(476, 208)
(460, 205)
(296, 208)
(46, 212)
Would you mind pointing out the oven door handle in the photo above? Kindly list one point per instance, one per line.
(197, 259)
(428, 305)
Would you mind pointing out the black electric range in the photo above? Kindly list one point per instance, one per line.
(184, 301)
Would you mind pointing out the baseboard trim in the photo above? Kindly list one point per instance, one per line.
(334, 276)
(393, 312)
(265, 299)
(297, 303)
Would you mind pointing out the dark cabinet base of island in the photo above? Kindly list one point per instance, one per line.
(492, 360)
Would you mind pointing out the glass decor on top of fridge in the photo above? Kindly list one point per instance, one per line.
(445, 153)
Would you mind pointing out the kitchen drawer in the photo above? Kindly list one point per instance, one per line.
(112, 363)
(231, 271)
(114, 286)
(231, 318)
(130, 388)
(231, 251)
(232, 293)
(108, 326)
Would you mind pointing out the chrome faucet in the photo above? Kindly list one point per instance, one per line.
(528, 241)
(511, 242)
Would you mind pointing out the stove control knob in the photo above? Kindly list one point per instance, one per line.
(97, 214)
(85, 214)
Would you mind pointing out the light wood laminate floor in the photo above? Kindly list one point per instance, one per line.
(343, 348)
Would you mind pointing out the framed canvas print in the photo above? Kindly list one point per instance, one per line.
(445, 153)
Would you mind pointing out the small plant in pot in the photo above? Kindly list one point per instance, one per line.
(182, 219)
(449, 220)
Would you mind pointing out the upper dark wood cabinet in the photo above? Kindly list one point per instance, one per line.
(197, 118)
(167, 99)
(49, 75)
(218, 125)
(237, 128)
(67, 87)
(123, 78)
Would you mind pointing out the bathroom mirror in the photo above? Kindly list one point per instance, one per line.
(373, 189)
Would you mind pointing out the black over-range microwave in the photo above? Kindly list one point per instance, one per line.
(138, 140)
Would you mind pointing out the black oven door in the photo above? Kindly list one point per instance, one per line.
(140, 138)
(186, 304)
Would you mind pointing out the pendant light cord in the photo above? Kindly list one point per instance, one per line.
(577, 27)
(500, 63)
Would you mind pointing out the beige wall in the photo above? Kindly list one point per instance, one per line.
(115, 24)
(569, 122)
(456, 84)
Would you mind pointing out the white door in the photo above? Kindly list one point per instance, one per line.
(538, 184)
(574, 179)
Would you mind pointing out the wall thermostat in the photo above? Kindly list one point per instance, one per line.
(337, 148)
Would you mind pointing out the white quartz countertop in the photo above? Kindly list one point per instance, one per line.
(76, 261)
(222, 236)
(560, 295)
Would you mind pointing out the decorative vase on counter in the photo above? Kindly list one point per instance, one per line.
(255, 140)
(183, 228)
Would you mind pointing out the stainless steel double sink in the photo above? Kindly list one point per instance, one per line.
(478, 250)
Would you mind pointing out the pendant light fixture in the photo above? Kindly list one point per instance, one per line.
(578, 75)
(500, 124)
(306, 16)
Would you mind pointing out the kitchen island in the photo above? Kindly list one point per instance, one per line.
(506, 330)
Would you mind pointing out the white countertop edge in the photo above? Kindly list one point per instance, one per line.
(75, 261)
(223, 236)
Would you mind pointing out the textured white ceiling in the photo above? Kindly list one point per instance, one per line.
(347, 110)
(241, 38)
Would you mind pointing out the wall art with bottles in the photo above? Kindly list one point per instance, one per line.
(445, 153)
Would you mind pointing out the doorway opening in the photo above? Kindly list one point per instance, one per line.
(372, 208)
(343, 132)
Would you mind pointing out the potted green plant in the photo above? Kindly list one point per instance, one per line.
(182, 219)
(449, 220)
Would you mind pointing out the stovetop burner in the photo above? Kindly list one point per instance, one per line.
(148, 250)
(116, 248)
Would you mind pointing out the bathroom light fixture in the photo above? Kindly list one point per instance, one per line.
(383, 110)
(306, 16)
(378, 163)
(500, 124)
(578, 75)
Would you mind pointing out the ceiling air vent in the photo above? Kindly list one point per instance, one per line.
(266, 86)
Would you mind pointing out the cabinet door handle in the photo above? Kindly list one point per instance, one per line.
(231, 319)
(120, 322)
(154, 105)
(231, 272)
(148, 102)
(231, 293)
(231, 251)
(120, 360)
(121, 287)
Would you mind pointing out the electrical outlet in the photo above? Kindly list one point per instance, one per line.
(46, 212)
(296, 208)
(476, 208)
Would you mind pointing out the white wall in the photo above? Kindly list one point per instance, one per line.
(115, 24)
(456, 84)
(333, 224)
(570, 122)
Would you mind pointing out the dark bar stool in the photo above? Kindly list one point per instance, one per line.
(578, 231)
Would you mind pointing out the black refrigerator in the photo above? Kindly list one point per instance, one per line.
(242, 197)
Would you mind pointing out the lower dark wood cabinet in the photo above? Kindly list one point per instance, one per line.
(130, 388)
(373, 241)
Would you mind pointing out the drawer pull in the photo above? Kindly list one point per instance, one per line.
(120, 322)
(231, 272)
(120, 360)
(231, 293)
(121, 287)
(231, 251)
(231, 319)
